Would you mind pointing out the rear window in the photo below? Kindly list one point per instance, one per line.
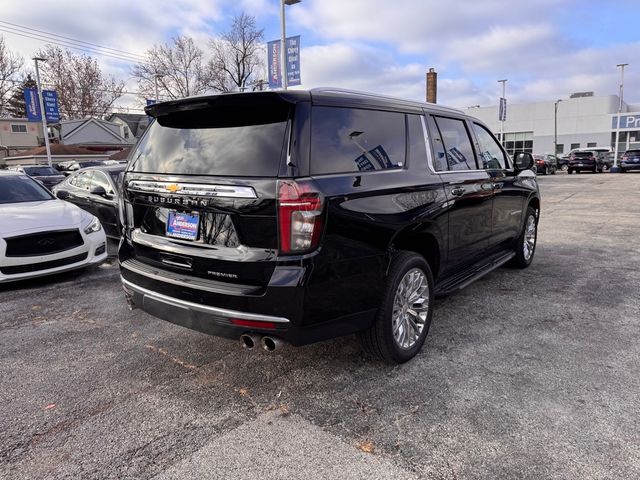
(40, 171)
(239, 142)
(632, 152)
(584, 154)
(20, 188)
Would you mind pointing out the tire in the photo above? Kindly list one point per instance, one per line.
(564, 168)
(553, 170)
(527, 238)
(379, 340)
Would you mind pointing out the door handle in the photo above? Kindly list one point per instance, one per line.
(457, 191)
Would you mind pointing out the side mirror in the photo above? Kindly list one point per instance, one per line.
(62, 194)
(99, 190)
(522, 161)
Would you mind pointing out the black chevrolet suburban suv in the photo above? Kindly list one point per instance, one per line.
(300, 216)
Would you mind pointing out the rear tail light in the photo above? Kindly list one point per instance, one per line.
(299, 216)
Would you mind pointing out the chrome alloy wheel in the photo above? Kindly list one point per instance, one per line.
(529, 243)
(410, 308)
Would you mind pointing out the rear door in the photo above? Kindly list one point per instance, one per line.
(200, 189)
(468, 189)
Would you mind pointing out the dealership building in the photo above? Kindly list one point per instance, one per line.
(583, 120)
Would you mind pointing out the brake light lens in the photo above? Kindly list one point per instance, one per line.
(300, 219)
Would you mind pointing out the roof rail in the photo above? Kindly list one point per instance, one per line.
(346, 91)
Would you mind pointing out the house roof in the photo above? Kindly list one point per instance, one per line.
(57, 149)
(100, 123)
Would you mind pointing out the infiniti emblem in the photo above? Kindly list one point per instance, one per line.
(46, 242)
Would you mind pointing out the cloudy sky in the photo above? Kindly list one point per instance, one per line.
(547, 49)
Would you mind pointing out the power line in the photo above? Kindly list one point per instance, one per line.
(66, 44)
(114, 50)
(96, 90)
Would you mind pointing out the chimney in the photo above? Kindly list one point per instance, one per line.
(432, 86)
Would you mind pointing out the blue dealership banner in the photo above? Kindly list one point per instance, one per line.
(293, 60)
(50, 100)
(32, 104)
(274, 60)
(51, 110)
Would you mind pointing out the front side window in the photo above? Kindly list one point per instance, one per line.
(21, 188)
(491, 156)
(83, 180)
(347, 140)
(100, 180)
(454, 151)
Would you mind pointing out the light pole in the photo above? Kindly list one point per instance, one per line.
(555, 127)
(283, 41)
(502, 114)
(43, 114)
(615, 168)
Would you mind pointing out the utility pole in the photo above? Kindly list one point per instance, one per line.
(555, 127)
(615, 168)
(43, 114)
(503, 115)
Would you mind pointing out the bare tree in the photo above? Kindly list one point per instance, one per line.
(179, 67)
(238, 56)
(10, 65)
(83, 91)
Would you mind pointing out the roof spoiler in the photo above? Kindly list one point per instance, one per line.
(224, 100)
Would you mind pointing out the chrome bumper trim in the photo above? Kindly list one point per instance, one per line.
(203, 308)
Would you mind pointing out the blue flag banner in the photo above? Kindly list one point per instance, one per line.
(50, 100)
(273, 59)
(32, 104)
(293, 60)
(51, 110)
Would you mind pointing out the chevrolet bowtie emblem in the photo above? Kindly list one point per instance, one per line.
(173, 187)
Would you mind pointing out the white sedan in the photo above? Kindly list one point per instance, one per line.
(42, 235)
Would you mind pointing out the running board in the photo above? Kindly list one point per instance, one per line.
(471, 274)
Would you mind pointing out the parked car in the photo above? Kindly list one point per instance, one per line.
(605, 160)
(546, 164)
(67, 168)
(95, 189)
(563, 163)
(43, 235)
(586, 161)
(47, 176)
(630, 160)
(299, 216)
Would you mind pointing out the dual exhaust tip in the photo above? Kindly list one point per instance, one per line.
(269, 344)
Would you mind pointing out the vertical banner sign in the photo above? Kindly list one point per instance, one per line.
(32, 104)
(51, 110)
(273, 59)
(293, 60)
(50, 100)
(502, 113)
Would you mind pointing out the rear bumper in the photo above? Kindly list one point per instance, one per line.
(204, 318)
(630, 166)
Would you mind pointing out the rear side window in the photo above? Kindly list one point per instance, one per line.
(347, 140)
(242, 141)
(453, 148)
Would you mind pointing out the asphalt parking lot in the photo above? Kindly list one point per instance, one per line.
(526, 374)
